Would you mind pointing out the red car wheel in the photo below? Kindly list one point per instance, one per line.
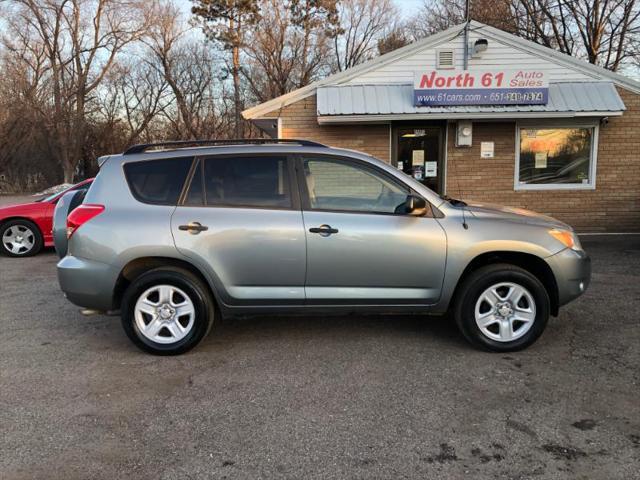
(20, 238)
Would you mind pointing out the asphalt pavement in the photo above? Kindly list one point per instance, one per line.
(329, 397)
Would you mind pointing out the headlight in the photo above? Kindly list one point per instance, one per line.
(568, 238)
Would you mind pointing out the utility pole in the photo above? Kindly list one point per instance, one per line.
(466, 34)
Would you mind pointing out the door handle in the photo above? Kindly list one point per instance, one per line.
(324, 230)
(193, 228)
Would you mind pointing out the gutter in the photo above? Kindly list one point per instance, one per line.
(376, 118)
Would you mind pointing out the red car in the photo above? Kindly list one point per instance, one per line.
(25, 229)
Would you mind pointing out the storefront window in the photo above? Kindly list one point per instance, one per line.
(555, 157)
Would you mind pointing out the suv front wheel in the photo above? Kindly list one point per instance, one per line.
(502, 308)
(167, 311)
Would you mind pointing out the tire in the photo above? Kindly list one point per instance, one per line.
(147, 305)
(507, 325)
(20, 238)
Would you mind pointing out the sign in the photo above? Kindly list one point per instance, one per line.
(541, 160)
(486, 149)
(480, 87)
(431, 169)
(417, 157)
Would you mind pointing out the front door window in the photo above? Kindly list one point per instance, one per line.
(340, 185)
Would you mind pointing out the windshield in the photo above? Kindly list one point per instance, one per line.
(48, 198)
(51, 197)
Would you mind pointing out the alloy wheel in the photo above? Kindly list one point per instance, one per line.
(18, 239)
(164, 314)
(505, 312)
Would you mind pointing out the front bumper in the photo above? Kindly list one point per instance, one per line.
(87, 283)
(572, 270)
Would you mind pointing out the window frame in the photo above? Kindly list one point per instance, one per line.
(187, 179)
(593, 160)
(304, 193)
(200, 159)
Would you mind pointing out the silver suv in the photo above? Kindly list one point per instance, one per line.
(175, 235)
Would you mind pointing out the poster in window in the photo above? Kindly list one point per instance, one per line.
(431, 169)
(541, 160)
(417, 158)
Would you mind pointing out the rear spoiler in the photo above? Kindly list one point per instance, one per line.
(103, 159)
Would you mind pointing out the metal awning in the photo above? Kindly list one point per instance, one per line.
(373, 102)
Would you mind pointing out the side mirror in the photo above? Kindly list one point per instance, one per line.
(416, 206)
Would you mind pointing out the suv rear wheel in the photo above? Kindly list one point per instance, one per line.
(502, 308)
(167, 311)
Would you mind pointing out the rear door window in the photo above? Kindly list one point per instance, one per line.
(158, 182)
(247, 181)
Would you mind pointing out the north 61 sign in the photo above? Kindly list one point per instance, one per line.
(480, 87)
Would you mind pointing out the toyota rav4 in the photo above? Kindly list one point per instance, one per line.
(176, 235)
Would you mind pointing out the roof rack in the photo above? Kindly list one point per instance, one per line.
(143, 147)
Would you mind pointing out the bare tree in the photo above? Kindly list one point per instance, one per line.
(363, 23)
(25, 158)
(134, 94)
(81, 39)
(394, 39)
(202, 92)
(285, 51)
(163, 38)
(438, 15)
(603, 32)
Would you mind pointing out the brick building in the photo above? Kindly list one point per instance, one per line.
(481, 114)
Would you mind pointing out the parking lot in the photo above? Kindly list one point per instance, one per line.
(347, 397)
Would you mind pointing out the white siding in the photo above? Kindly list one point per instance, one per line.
(497, 55)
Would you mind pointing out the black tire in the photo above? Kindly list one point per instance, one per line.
(478, 282)
(192, 286)
(35, 236)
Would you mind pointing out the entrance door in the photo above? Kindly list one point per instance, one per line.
(361, 246)
(418, 153)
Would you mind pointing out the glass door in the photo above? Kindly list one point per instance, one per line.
(418, 153)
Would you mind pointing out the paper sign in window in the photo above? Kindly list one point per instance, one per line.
(431, 169)
(417, 158)
(541, 160)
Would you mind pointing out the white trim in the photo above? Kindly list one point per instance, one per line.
(279, 127)
(593, 160)
(327, 119)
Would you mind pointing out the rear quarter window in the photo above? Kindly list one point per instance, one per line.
(158, 182)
